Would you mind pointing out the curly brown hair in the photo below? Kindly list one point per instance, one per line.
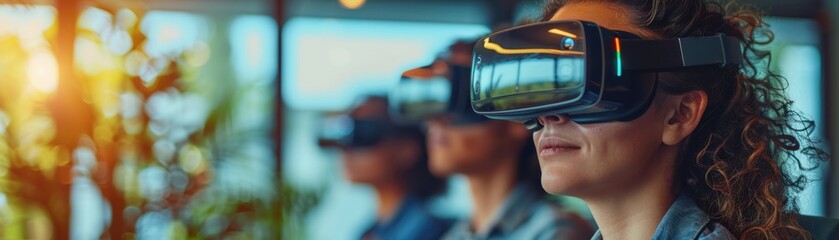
(750, 136)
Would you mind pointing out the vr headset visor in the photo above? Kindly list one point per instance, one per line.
(581, 70)
(343, 131)
(439, 89)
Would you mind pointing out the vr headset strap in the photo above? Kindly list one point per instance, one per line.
(675, 53)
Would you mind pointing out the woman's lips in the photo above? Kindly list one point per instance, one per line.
(553, 145)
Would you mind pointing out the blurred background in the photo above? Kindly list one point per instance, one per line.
(196, 119)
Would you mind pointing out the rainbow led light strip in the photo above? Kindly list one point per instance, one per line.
(618, 55)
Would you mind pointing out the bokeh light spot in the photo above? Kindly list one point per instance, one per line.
(42, 70)
(164, 150)
(126, 19)
(352, 4)
(4, 122)
(191, 159)
(119, 42)
(198, 55)
(153, 183)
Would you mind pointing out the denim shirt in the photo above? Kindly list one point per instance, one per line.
(412, 221)
(685, 220)
(525, 214)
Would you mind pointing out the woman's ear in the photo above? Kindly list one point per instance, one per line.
(683, 119)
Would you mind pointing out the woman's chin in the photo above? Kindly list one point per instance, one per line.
(560, 182)
(441, 171)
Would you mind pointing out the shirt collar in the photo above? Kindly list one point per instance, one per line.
(407, 208)
(512, 213)
(684, 220)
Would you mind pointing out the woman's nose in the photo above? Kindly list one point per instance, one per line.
(553, 119)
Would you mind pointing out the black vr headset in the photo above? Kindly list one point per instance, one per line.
(581, 70)
(439, 89)
(343, 131)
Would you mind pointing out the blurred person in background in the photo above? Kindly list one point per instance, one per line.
(391, 159)
(496, 157)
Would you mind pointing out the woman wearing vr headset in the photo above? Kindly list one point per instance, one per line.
(391, 159)
(654, 118)
(496, 157)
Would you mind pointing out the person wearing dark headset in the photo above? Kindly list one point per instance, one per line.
(496, 157)
(390, 158)
(660, 114)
